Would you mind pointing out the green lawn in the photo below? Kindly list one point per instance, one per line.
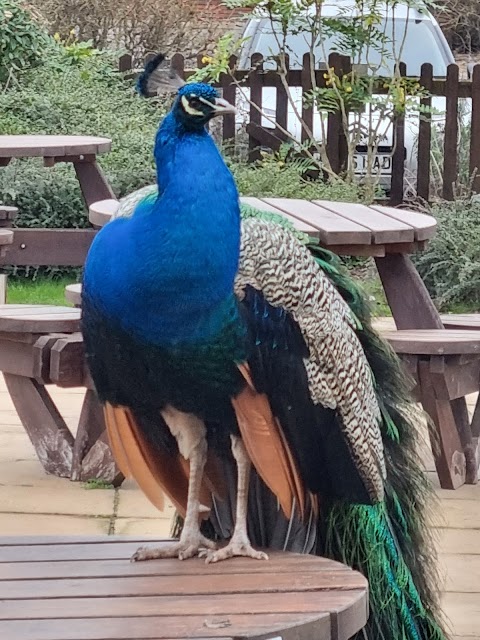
(47, 291)
(40, 291)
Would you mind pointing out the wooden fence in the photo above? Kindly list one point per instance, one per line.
(451, 88)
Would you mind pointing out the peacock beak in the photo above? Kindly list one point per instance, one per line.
(222, 107)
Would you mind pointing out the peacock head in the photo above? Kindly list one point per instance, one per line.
(195, 104)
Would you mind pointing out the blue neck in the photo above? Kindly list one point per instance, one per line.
(179, 254)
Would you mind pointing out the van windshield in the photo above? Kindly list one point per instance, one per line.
(414, 42)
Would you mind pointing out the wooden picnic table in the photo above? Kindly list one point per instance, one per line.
(76, 588)
(81, 151)
(387, 234)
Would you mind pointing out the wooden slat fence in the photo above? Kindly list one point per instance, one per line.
(452, 88)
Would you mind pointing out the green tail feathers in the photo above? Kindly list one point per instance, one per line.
(388, 542)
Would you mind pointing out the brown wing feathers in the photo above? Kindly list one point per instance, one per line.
(157, 472)
(267, 446)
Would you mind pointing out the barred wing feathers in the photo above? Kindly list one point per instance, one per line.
(275, 263)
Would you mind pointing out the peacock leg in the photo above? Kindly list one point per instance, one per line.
(239, 544)
(190, 433)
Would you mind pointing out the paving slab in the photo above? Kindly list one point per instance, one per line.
(24, 524)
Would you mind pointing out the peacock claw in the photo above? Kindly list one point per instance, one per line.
(189, 547)
(233, 549)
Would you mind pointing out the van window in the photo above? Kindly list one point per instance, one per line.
(416, 41)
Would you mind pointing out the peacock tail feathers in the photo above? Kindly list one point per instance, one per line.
(128, 203)
(405, 544)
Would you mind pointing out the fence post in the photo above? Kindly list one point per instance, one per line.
(178, 63)
(148, 57)
(256, 83)
(337, 145)
(474, 165)
(424, 135)
(450, 162)
(125, 63)
(334, 122)
(307, 85)
(281, 110)
(346, 67)
(398, 157)
(229, 92)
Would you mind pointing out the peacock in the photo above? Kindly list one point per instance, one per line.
(241, 377)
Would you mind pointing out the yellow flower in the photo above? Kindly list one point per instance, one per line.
(348, 89)
(207, 59)
(56, 37)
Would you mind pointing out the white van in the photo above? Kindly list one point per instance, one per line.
(416, 32)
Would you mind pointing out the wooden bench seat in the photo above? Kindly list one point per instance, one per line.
(73, 294)
(446, 367)
(33, 354)
(466, 321)
(7, 215)
(99, 213)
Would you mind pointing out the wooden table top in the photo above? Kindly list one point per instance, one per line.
(21, 146)
(347, 228)
(67, 588)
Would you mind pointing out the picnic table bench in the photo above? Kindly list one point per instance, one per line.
(75, 588)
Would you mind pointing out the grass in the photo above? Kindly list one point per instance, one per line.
(40, 291)
(48, 291)
(373, 288)
(97, 483)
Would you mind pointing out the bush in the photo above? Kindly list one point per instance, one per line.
(138, 27)
(450, 266)
(22, 39)
(272, 180)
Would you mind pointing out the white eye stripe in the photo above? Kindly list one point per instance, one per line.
(205, 101)
(189, 109)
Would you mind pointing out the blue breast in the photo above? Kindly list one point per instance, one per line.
(167, 273)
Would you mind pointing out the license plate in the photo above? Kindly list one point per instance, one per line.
(382, 164)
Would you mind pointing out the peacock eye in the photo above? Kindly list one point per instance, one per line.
(195, 103)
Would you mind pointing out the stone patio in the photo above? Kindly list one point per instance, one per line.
(34, 503)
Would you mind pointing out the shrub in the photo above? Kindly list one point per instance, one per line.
(139, 27)
(450, 266)
(269, 179)
(22, 39)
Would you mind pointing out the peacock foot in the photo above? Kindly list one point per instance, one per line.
(236, 547)
(188, 546)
